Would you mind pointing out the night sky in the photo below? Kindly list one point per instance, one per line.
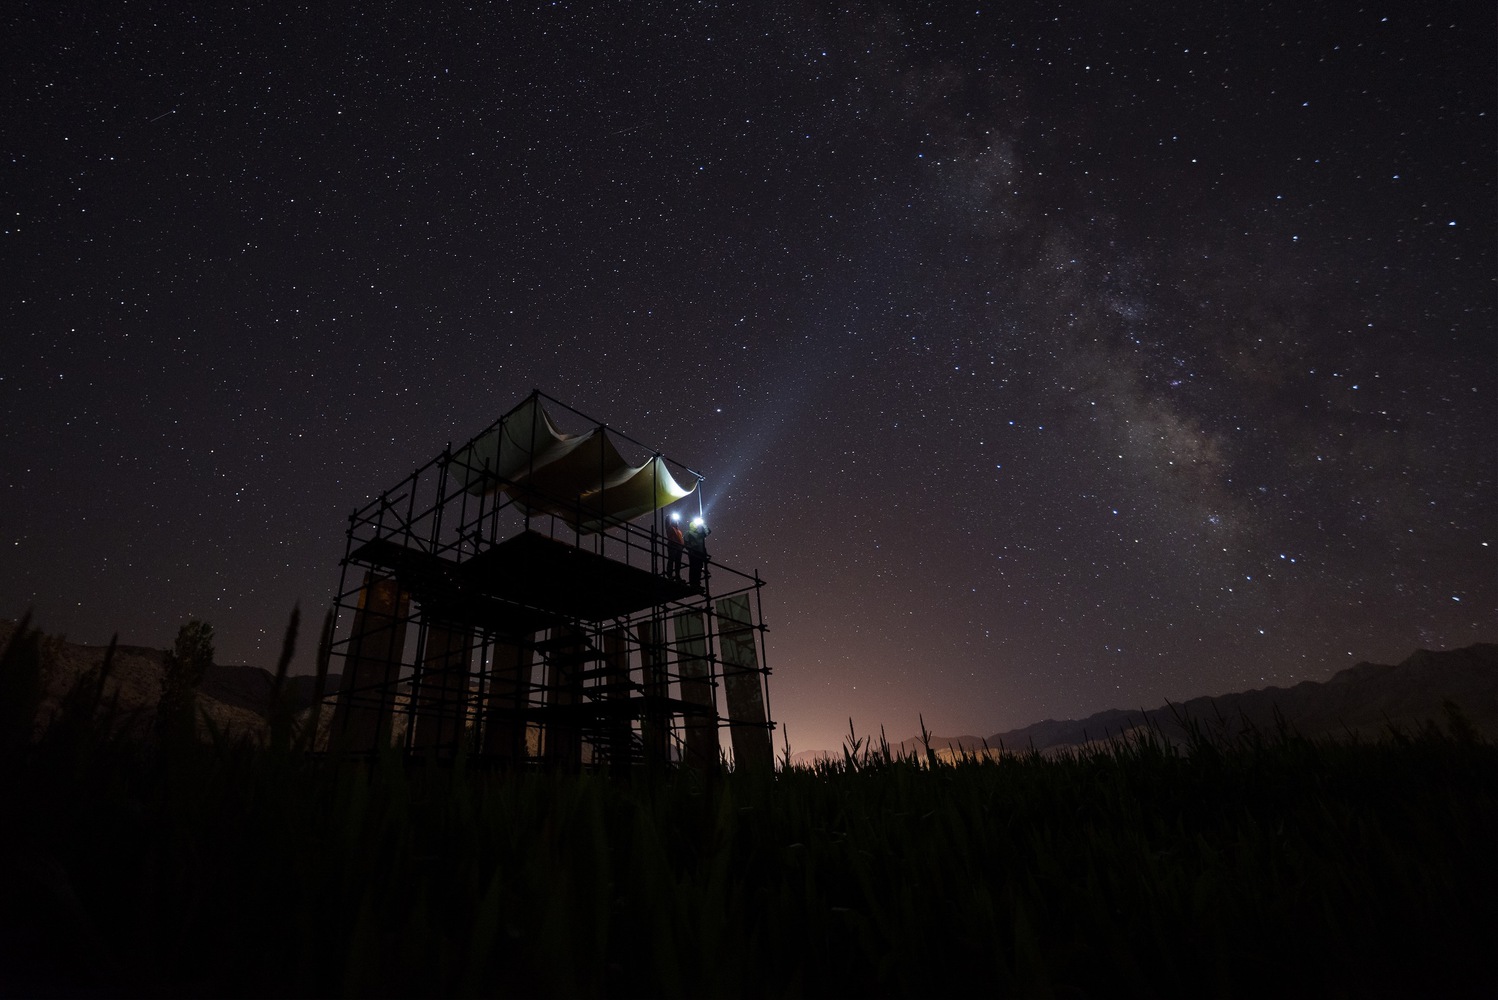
(1043, 359)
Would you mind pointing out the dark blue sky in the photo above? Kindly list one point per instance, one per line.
(1043, 360)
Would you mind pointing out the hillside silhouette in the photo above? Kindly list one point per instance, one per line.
(234, 698)
(1364, 701)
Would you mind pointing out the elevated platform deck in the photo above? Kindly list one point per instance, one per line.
(522, 585)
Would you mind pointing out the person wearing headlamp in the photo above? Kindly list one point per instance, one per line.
(674, 544)
(696, 544)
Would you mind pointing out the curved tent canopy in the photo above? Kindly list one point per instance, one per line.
(580, 478)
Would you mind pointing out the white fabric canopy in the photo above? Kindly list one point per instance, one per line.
(581, 478)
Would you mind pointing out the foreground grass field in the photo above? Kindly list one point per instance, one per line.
(1275, 866)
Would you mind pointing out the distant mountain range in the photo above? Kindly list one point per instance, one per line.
(1362, 701)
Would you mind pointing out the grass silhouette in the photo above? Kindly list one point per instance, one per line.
(1268, 864)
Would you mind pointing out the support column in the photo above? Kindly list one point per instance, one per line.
(509, 696)
(442, 694)
(701, 713)
(655, 727)
(563, 737)
(752, 748)
(615, 716)
(366, 692)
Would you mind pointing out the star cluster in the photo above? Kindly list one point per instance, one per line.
(1043, 360)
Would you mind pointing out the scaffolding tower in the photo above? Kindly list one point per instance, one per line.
(516, 599)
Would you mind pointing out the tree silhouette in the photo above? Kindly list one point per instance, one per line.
(186, 664)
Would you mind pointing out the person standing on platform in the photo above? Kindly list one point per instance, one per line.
(674, 544)
(697, 534)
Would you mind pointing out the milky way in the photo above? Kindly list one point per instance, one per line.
(1042, 362)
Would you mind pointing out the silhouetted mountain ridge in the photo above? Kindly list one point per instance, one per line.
(1362, 701)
